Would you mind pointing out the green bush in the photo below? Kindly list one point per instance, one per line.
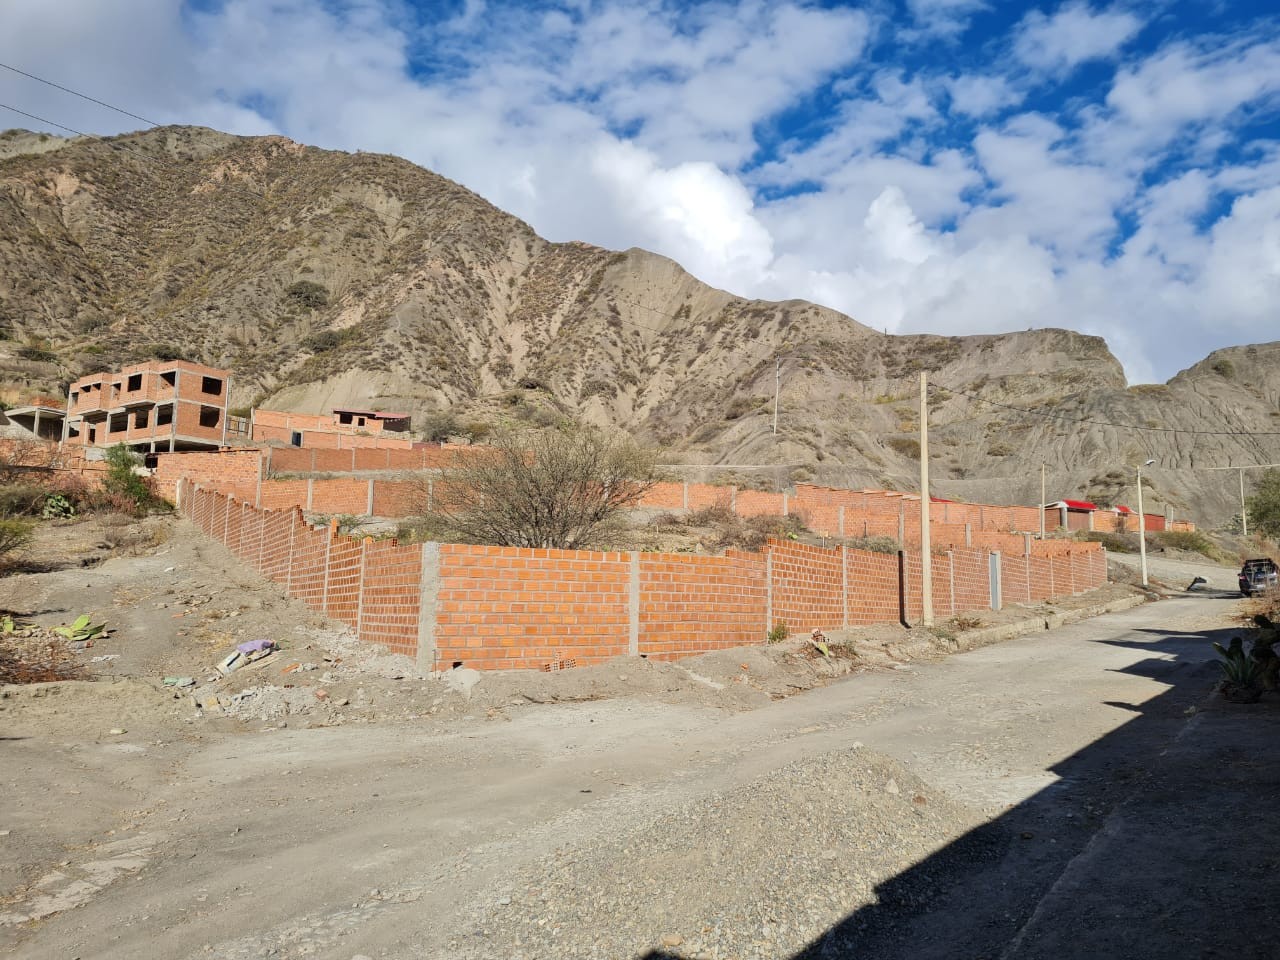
(440, 426)
(15, 536)
(309, 294)
(875, 544)
(779, 632)
(1193, 541)
(1113, 542)
(124, 488)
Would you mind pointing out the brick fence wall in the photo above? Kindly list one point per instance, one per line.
(507, 607)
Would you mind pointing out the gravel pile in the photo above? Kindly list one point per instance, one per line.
(758, 872)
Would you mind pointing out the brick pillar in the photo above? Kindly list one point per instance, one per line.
(328, 552)
(295, 518)
(844, 578)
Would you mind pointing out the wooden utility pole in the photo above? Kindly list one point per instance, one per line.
(777, 386)
(1042, 501)
(926, 551)
(1244, 510)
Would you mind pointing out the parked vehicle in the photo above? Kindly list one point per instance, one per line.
(1258, 575)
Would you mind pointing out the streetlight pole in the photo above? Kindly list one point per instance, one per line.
(1142, 525)
(1042, 504)
(926, 547)
(1244, 510)
(777, 386)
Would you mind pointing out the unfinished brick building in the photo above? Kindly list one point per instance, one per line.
(154, 405)
(342, 429)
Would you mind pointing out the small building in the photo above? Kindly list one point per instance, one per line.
(1071, 514)
(339, 429)
(37, 419)
(154, 405)
(371, 421)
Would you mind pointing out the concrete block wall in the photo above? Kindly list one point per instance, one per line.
(505, 607)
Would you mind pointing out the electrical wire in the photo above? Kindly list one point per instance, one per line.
(639, 306)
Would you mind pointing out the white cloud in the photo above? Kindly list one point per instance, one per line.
(978, 95)
(1072, 35)
(640, 124)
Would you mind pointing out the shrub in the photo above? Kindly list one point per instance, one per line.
(123, 489)
(15, 536)
(21, 499)
(440, 426)
(779, 632)
(908, 447)
(307, 293)
(874, 544)
(1193, 541)
(1114, 542)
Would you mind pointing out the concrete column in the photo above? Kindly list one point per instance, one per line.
(840, 520)
(902, 525)
(369, 507)
(968, 534)
(313, 459)
(311, 490)
(364, 567)
(786, 506)
(428, 595)
(997, 585)
(686, 495)
(844, 578)
(633, 641)
(1091, 520)
(295, 518)
(768, 589)
(733, 499)
(951, 577)
(328, 553)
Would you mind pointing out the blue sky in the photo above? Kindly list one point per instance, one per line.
(949, 166)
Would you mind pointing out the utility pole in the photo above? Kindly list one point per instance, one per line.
(1244, 511)
(1142, 524)
(777, 385)
(926, 548)
(1042, 501)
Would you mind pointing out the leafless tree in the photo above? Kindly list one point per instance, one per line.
(559, 488)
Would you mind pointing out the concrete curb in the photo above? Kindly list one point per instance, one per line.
(973, 639)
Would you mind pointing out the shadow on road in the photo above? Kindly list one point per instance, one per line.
(1159, 840)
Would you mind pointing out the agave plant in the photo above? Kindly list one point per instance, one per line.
(81, 629)
(1241, 673)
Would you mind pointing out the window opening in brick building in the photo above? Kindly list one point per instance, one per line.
(295, 438)
(169, 378)
(209, 416)
(164, 415)
(135, 381)
(211, 385)
(93, 434)
(119, 423)
(141, 418)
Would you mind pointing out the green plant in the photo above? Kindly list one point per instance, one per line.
(21, 499)
(1264, 505)
(307, 293)
(1241, 673)
(779, 632)
(441, 426)
(57, 507)
(124, 487)
(82, 628)
(15, 536)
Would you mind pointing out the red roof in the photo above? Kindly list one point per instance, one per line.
(933, 499)
(1123, 509)
(1080, 505)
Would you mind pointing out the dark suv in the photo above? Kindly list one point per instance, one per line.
(1258, 575)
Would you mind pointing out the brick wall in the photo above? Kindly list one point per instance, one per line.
(504, 607)
(234, 472)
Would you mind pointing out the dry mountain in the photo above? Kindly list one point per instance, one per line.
(323, 278)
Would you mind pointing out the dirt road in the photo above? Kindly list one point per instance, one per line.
(609, 828)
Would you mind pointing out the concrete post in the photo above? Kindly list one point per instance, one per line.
(768, 589)
(951, 577)
(840, 520)
(968, 534)
(686, 495)
(633, 640)
(328, 553)
(902, 524)
(786, 504)
(428, 595)
(844, 578)
(311, 490)
(295, 518)
(369, 504)
(733, 500)
(997, 587)
(360, 585)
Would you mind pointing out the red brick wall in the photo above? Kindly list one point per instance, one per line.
(691, 604)
(503, 607)
(232, 471)
(506, 607)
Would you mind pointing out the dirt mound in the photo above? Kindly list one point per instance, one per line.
(759, 871)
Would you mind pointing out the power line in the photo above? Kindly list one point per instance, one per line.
(632, 303)
(77, 93)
